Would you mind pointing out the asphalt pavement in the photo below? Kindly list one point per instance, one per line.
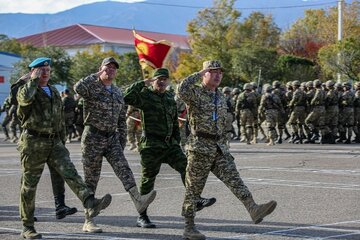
(317, 188)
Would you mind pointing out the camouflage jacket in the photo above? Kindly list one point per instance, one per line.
(270, 101)
(158, 113)
(298, 98)
(207, 115)
(347, 99)
(103, 109)
(357, 99)
(319, 98)
(331, 99)
(39, 112)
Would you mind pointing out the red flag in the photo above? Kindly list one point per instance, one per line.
(152, 53)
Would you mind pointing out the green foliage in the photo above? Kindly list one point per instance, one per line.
(129, 69)
(348, 65)
(248, 60)
(296, 68)
(60, 64)
(15, 47)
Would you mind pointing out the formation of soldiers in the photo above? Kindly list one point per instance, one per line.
(315, 112)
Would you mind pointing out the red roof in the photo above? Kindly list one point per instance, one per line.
(84, 34)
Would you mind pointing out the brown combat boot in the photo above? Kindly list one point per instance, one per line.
(141, 202)
(94, 205)
(29, 232)
(258, 212)
(190, 232)
(89, 225)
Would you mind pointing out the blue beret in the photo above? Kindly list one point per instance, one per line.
(39, 62)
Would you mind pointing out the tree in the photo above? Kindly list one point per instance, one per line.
(296, 68)
(129, 69)
(11, 45)
(349, 64)
(60, 64)
(248, 60)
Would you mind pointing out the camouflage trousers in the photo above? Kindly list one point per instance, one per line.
(151, 160)
(133, 131)
(297, 119)
(183, 137)
(35, 152)
(316, 119)
(94, 147)
(332, 119)
(346, 122)
(357, 120)
(247, 122)
(271, 121)
(197, 172)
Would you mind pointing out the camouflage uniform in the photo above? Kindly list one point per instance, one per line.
(79, 116)
(230, 118)
(282, 116)
(105, 131)
(357, 113)
(160, 139)
(133, 126)
(332, 114)
(270, 105)
(6, 120)
(298, 114)
(246, 107)
(42, 142)
(207, 148)
(183, 125)
(347, 114)
(69, 113)
(316, 119)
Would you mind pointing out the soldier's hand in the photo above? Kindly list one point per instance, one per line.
(26, 77)
(35, 73)
(148, 81)
(101, 70)
(204, 71)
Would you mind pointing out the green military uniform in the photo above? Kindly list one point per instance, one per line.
(160, 140)
(347, 113)
(69, 114)
(297, 105)
(133, 126)
(6, 120)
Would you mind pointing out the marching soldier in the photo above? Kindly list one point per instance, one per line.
(133, 123)
(346, 113)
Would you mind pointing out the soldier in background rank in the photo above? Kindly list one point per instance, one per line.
(42, 141)
(207, 148)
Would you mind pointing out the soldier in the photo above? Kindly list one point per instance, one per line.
(332, 112)
(347, 113)
(69, 112)
(207, 149)
(315, 121)
(183, 121)
(298, 114)
(246, 107)
(236, 92)
(133, 123)
(270, 105)
(79, 118)
(6, 120)
(42, 141)
(105, 135)
(161, 137)
(230, 114)
(258, 119)
(357, 112)
(282, 117)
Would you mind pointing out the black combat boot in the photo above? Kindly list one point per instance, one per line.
(279, 140)
(144, 221)
(29, 232)
(204, 202)
(287, 134)
(61, 209)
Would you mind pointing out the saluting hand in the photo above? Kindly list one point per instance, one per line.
(204, 71)
(148, 81)
(26, 77)
(35, 73)
(101, 70)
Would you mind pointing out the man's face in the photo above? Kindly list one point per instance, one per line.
(160, 84)
(110, 72)
(44, 74)
(213, 78)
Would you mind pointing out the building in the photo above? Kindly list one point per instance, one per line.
(80, 37)
(7, 61)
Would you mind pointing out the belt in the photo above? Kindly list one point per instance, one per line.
(206, 135)
(41, 134)
(95, 130)
(159, 137)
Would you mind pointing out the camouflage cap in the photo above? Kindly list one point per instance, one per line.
(161, 72)
(329, 83)
(212, 64)
(108, 60)
(226, 89)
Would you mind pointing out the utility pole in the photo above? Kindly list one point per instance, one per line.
(339, 38)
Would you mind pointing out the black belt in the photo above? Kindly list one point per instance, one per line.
(206, 135)
(95, 130)
(42, 134)
(159, 137)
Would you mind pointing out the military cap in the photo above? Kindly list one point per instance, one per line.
(212, 64)
(296, 83)
(338, 85)
(329, 83)
(276, 84)
(247, 86)
(347, 84)
(236, 91)
(108, 60)
(161, 72)
(40, 62)
(254, 85)
(267, 88)
(310, 84)
(317, 83)
(226, 89)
